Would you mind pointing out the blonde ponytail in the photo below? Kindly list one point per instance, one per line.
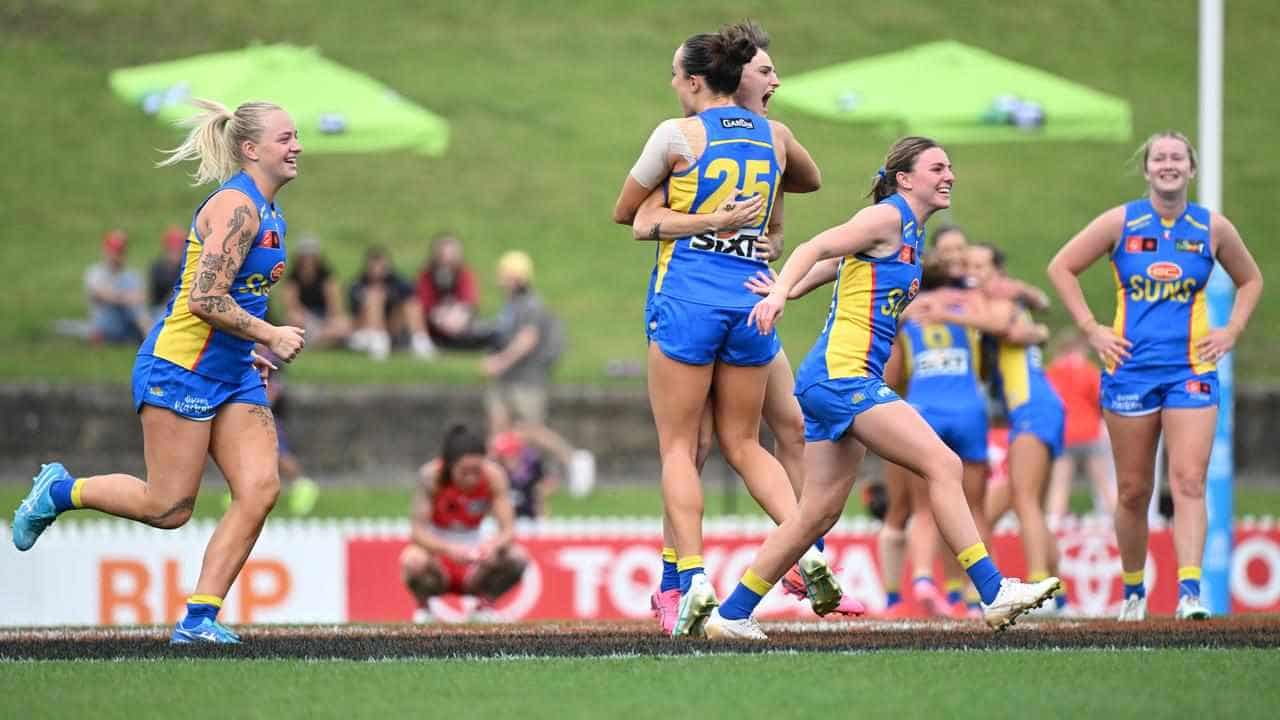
(215, 138)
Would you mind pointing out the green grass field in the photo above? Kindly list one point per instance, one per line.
(986, 685)
(352, 501)
(549, 103)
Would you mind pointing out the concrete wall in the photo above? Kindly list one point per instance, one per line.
(380, 434)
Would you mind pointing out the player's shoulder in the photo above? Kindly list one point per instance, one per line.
(880, 217)
(1220, 223)
(686, 125)
(231, 202)
(1113, 218)
(430, 469)
(668, 125)
(496, 475)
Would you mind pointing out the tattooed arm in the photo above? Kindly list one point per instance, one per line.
(655, 221)
(228, 224)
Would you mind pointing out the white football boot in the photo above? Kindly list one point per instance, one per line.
(720, 628)
(1017, 597)
(1134, 609)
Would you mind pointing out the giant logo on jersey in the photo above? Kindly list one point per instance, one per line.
(942, 361)
(1163, 282)
(738, 243)
(1164, 271)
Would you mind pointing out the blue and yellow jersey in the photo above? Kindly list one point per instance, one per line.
(189, 342)
(1017, 376)
(869, 295)
(1161, 270)
(941, 365)
(739, 161)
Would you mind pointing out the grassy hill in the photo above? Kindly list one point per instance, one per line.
(549, 104)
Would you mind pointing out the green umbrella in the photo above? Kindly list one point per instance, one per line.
(335, 108)
(958, 94)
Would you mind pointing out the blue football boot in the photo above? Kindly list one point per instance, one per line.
(36, 512)
(208, 631)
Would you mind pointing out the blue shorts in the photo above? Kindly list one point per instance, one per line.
(1047, 421)
(192, 395)
(697, 334)
(962, 430)
(830, 406)
(1128, 396)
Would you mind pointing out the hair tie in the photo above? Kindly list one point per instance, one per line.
(880, 173)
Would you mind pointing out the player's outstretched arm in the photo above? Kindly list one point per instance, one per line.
(870, 227)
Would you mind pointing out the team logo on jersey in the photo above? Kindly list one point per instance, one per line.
(277, 272)
(913, 289)
(270, 239)
(1164, 271)
(1137, 243)
(1198, 387)
(1194, 246)
(907, 255)
(737, 122)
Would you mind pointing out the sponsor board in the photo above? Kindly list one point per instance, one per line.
(612, 578)
(119, 573)
(115, 573)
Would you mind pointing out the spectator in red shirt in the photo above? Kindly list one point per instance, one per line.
(1077, 381)
(449, 295)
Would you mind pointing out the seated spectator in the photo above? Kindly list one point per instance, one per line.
(312, 298)
(526, 473)
(117, 304)
(448, 294)
(446, 552)
(164, 270)
(385, 309)
(527, 342)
